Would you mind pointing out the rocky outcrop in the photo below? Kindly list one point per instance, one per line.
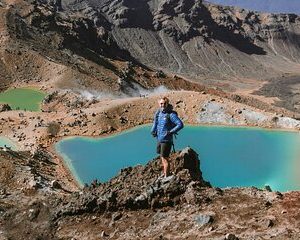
(141, 187)
(137, 204)
(4, 107)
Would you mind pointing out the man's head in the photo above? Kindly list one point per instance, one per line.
(163, 103)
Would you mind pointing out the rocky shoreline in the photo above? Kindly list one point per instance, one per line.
(138, 203)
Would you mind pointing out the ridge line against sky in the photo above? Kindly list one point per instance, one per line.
(272, 6)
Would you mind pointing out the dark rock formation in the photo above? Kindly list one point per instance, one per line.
(4, 107)
(141, 187)
(231, 236)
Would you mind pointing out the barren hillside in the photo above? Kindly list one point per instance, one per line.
(120, 46)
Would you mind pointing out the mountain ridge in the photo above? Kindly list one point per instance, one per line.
(169, 39)
(227, 47)
(271, 6)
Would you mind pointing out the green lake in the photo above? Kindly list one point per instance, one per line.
(23, 98)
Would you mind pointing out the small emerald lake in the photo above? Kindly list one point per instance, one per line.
(23, 98)
(229, 157)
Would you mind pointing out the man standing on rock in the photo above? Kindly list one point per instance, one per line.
(166, 124)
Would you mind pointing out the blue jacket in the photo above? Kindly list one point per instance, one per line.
(165, 124)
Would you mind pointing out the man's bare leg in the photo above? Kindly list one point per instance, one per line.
(166, 167)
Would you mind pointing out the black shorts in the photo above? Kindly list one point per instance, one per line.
(164, 149)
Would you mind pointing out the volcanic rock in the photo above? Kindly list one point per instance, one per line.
(204, 219)
(55, 184)
(231, 236)
(141, 187)
(4, 107)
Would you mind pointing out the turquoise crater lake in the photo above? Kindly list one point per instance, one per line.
(230, 157)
